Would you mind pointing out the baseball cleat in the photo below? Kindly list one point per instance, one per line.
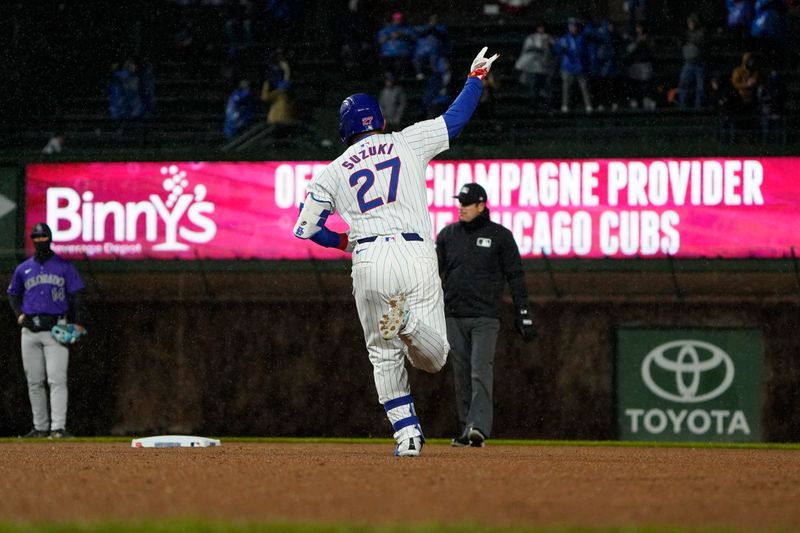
(34, 434)
(60, 434)
(410, 447)
(392, 322)
(476, 438)
(460, 442)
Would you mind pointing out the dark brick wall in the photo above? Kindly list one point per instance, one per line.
(300, 369)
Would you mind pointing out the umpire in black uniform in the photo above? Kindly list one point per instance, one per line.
(476, 258)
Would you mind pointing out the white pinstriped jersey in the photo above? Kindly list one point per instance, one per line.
(378, 184)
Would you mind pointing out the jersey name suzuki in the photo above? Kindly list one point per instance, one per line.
(378, 184)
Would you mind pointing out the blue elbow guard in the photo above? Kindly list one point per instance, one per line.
(326, 238)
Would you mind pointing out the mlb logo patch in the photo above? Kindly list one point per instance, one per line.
(483, 242)
(366, 121)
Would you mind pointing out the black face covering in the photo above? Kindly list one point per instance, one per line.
(43, 251)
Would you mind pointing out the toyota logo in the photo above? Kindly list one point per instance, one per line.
(694, 359)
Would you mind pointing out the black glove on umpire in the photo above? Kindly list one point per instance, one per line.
(524, 324)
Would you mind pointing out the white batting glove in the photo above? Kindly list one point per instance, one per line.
(481, 64)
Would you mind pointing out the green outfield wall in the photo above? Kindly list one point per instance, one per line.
(299, 367)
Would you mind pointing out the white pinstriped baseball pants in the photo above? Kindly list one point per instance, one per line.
(382, 269)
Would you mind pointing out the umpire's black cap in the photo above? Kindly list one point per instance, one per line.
(471, 193)
(40, 229)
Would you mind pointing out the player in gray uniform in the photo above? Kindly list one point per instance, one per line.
(378, 188)
(42, 291)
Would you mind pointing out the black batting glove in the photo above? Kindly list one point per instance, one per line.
(524, 324)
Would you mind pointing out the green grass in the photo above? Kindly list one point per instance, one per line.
(492, 442)
(178, 526)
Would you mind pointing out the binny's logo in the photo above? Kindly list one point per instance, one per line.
(73, 215)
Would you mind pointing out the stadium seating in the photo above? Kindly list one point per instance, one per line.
(191, 101)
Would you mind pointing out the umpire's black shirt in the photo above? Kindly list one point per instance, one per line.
(475, 258)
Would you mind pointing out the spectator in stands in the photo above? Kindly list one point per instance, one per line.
(239, 23)
(535, 63)
(276, 93)
(571, 48)
(280, 114)
(124, 98)
(147, 89)
(396, 43)
(692, 80)
(436, 96)
(131, 88)
(637, 13)
(278, 69)
(440, 31)
(745, 79)
(55, 145)
(740, 16)
(591, 41)
(640, 68)
(769, 26)
(771, 106)
(607, 91)
(238, 110)
(117, 108)
(427, 48)
(723, 97)
(392, 100)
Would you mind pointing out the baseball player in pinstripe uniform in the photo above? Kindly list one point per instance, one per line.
(378, 187)
(40, 293)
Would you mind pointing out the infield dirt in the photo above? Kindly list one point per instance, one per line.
(363, 484)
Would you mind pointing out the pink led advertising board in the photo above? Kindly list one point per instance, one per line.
(589, 208)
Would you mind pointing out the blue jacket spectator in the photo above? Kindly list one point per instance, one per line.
(117, 107)
(396, 43)
(438, 30)
(574, 67)
(147, 88)
(740, 13)
(130, 85)
(124, 92)
(396, 38)
(770, 21)
(437, 89)
(426, 52)
(591, 42)
(239, 110)
(609, 50)
(573, 51)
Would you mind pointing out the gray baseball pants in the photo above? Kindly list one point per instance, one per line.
(45, 360)
(472, 346)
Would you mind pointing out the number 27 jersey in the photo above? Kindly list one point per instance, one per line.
(378, 184)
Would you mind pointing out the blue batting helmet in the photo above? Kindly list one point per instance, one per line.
(359, 113)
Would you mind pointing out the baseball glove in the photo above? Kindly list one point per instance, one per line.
(67, 334)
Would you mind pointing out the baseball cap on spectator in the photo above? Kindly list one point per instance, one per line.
(471, 193)
(40, 229)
